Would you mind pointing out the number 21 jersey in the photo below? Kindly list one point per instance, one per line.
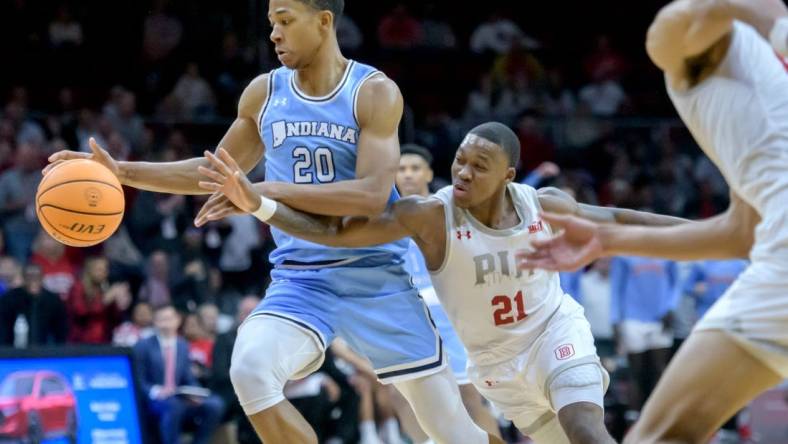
(313, 140)
(496, 309)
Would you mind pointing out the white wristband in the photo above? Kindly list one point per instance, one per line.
(266, 210)
(778, 36)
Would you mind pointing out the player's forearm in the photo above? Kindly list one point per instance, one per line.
(708, 239)
(346, 198)
(319, 229)
(179, 177)
(632, 217)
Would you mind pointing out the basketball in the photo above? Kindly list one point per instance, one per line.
(80, 203)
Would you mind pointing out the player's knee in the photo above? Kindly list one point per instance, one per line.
(256, 380)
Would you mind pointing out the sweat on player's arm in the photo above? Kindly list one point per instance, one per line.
(554, 200)
(727, 235)
(378, 112)
(180, 177)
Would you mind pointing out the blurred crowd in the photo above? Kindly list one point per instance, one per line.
(166, 90)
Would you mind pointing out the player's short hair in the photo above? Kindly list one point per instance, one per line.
(335, 6)
(412, 148)
(501, 135)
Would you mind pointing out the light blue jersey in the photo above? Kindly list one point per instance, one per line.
(313, 140)
(362, 295)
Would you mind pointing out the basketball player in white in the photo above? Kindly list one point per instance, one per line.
(530, 349)
(731, 90)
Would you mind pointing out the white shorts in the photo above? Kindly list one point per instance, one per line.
(520, 387)
(754, 311)
(639, 336)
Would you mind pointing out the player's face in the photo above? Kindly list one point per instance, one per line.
(414, 175)
(480, 169)
(298, 31)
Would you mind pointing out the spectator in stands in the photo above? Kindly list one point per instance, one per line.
(58, 269)
(156, 288)
(163, 369)
(64, 31)
(594, 295)
(10, 274)
(604, 96)
(399, 29)
(643, 293)
(438, 33)
(220, 377)
(32, 312)
(535, 147)
(208, 315)
(604, 61)
(161, 33)
(156, 220)
(95, 306)
(236, 259)
(498, 34)
(708, 280)
(126, 121)
(349, 35)
(140, 326)
(26, 129)
(18, 188)
(556, 100)
(200, 347)
(194, 93)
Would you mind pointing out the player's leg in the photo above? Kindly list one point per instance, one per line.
(268, 352)
(710, 378)
(436, 402)
(384, 319)
(480, 413)
(407, 419)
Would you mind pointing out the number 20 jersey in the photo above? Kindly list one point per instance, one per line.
(496, 309)
(313, 140)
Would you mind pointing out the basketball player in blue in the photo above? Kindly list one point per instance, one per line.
(328, 129)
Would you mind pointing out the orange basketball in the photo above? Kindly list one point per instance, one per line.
(80, 203)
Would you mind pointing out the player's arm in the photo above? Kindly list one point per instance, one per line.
(234, 193)
(725, 236)
(181, 177)
(556, 201)
(379, 111)
(686, 29)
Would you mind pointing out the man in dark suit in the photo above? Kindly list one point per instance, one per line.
(43, 311)
(163, 366)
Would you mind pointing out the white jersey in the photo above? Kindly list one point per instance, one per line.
(496, 309)
(739, 116)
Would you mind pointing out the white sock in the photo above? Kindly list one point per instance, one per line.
(369, 434)
(391, 431)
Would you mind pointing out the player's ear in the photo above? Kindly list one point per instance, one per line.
(430, 175)
(511, 172)
(326, 20)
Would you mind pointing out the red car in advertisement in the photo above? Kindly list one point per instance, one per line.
(37, 405)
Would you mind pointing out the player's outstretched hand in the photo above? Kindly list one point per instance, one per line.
(216, 208)
(97, 153)
(576, 245)
(228, 178)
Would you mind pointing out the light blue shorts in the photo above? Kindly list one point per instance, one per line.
(458, 356)
(370, 303)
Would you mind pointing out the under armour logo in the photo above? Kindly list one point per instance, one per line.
(280, 101)
(460, 234)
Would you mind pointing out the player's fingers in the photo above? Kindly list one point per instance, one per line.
(218, 164)
(546, 263)
(211, 174)
(228, 159)
(51, 166)
(97, 150)
(540, 244)
(67, 155)
(209, 186)
(215, 197)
